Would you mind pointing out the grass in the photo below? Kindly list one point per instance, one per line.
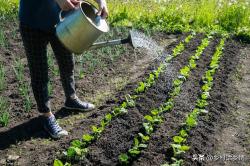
(23, 86)
(220, 16)
(4, 114)
(2, 39)
(8, 8)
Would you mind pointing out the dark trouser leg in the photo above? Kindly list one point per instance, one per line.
(65, 62)
(35, 44)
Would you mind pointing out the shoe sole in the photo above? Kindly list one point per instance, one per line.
(78, 109)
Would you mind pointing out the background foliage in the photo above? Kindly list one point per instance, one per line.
(230, 16)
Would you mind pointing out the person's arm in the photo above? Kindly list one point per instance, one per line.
(68, 4)
(103, 9)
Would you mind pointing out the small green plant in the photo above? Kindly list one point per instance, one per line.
(4, 118)
(185, 71)
(179, 147)
(19, 70)
(27, 103)
(178, 49)
(51, 63)
(3, 39)
(4, 114)
(123, 158)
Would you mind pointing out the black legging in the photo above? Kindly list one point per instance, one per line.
(35, 42)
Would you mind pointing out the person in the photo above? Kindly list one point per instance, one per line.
(37, 21)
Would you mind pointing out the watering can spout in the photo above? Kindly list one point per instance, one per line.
(112, 43)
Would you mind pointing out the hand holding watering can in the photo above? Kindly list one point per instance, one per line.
(66, 5)
(82, 26)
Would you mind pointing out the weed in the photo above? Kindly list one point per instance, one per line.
(4, 114)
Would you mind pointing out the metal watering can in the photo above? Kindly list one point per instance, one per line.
(80, 28)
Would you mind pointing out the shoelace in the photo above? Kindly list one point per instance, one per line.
(54, 125)
(81, 103)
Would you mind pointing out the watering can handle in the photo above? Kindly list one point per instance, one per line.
(61, 17)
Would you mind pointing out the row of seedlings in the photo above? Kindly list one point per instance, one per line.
(156, 117)
(4, 114)
(179, 145)
(78, 148)
(23, 87)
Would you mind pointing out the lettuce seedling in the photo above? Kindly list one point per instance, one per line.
(60, 163)
(97, 130)
(140, 88)
(192, 64)
(144, 138)
(183, 133)
(177, 82)
(87, 138)
(123, 158)
(201, 103)
(130, 101)
(179, 139)
(148, 128)
(191, 122)
(150, 80)
(185, 71)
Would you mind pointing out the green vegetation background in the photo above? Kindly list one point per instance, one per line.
(221, 16)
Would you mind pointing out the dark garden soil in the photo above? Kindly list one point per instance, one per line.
(222, 136)
(118, 137)
(159, 149)
(224, 130)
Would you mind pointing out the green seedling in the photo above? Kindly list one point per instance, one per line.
(52, 65)
(191, 122)
(97, 130)
(141, 88)
(130, 101)
(144, 138)
(185, 71)
(178, 139)
(3, 41)
(136, 148)
(87, 138)
(27, 103)
(4, 114)
(178, 49)
(148, 127)
(201, 103)
(192, 64)
(176, 91)
(4, 118)
(123, 158)
(177, 82)
(150, 81)
(19, 70)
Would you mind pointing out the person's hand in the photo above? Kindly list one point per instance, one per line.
(66, 5)
(103, 9)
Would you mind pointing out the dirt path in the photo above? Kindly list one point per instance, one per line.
(236, 128)
(223, 136)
